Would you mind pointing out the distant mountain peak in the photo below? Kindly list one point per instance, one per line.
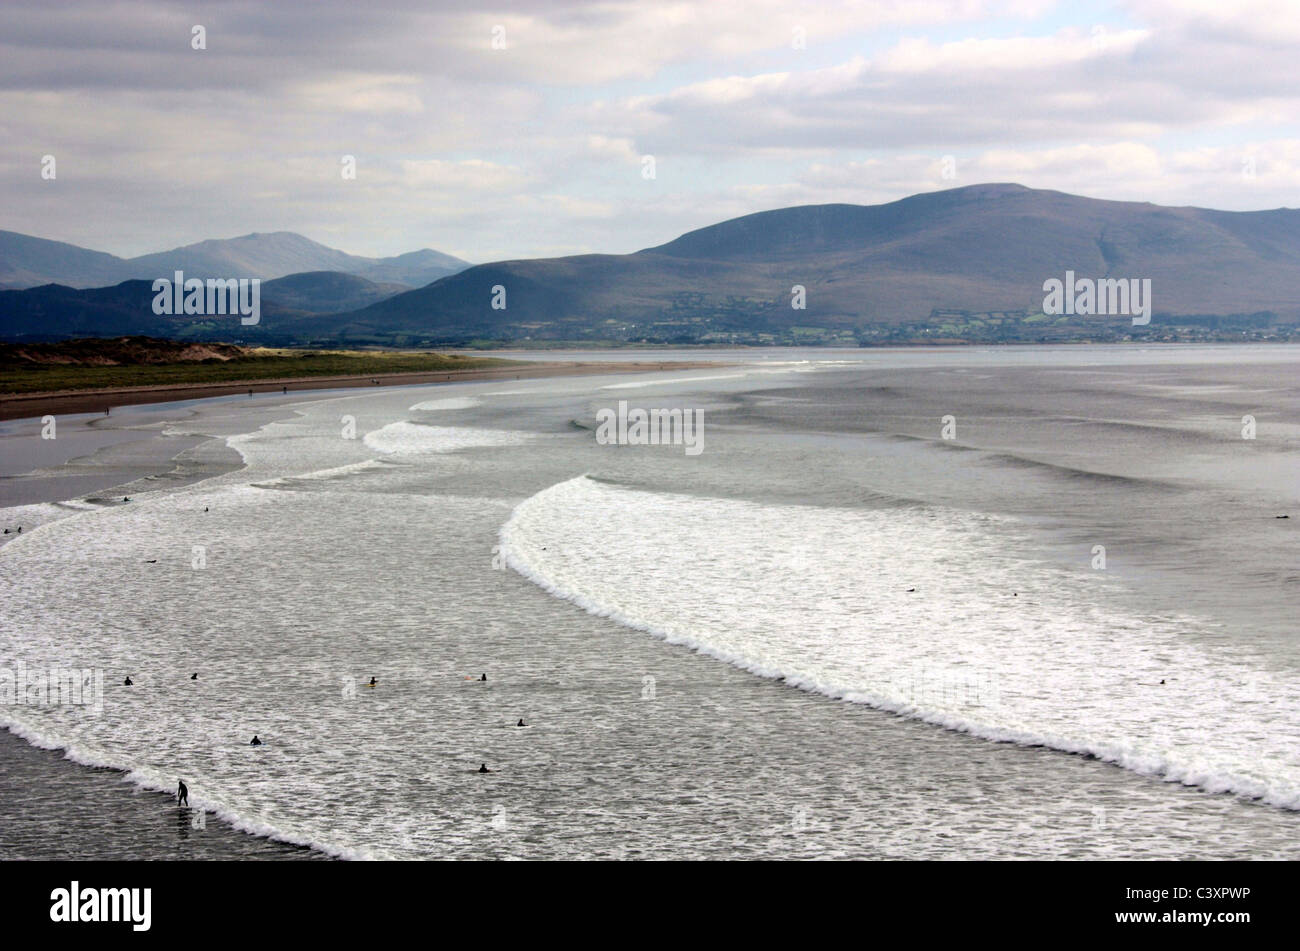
(26, 261)
(981, 249)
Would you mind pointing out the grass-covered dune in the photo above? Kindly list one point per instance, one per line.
(92, 364)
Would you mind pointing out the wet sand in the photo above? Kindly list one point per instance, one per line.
(95, 458)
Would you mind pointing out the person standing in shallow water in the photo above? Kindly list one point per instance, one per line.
(182, 793)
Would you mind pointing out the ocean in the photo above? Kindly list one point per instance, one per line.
(940, 604)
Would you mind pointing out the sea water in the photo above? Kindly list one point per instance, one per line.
(974, 603)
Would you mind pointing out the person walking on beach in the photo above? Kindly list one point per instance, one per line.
(182, 793)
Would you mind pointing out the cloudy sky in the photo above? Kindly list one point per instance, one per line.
(502, 130)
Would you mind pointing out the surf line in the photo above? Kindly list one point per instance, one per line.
(653, 427)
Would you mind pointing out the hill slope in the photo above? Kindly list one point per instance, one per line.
(964, 264)
(30, 262)
(326, 292)
(56, 312)
(983, 249)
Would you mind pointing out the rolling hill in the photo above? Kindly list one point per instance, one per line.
(55, 311)
(26, 261)
(29, 262)
(978, 250)
(967, 264)
(326, 292)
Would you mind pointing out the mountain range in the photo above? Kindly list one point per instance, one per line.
(980, 252)
(26, 261)
(962, 264)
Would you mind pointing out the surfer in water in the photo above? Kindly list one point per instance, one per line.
(483, 679)
(194, 676)
(182, 793)
(127, 682)
(521, 722)
(484, 769)
(373, 682)
(254, 741)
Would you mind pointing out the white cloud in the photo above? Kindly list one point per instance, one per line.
(537, 147)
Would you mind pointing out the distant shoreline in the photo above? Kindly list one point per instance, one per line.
(70, 402)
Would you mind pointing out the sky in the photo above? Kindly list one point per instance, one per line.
(494, 131)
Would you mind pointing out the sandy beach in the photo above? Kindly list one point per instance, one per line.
(96, 401)
(329, 559)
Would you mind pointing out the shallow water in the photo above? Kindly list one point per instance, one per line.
(825, 491)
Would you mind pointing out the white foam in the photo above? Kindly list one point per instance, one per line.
(453, 402)
(155, 780)
(141, 605)
(820, 597)
(31, 517)
(274, 561)
(407, 438)
(335, 472)
(638, 384)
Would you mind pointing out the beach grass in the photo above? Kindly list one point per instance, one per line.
(18, 376)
